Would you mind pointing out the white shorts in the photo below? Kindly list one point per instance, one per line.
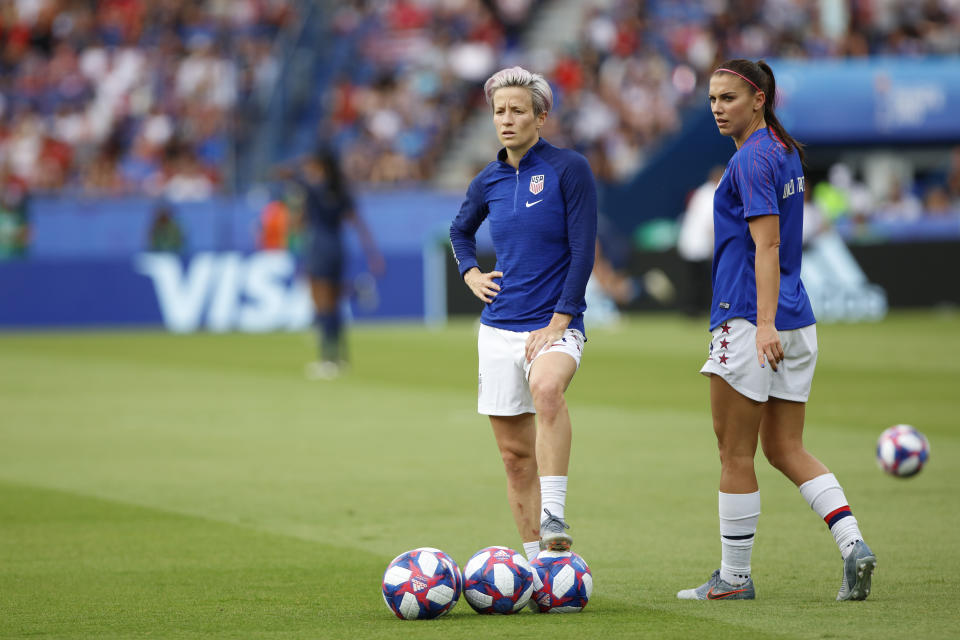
(733, 357)
(504, 388)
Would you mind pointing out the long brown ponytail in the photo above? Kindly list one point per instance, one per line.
(760, 75)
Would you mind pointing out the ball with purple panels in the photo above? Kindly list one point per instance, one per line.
(454, 567)
(419, 585)
(567, 582)
(902, 451)
(498, 580)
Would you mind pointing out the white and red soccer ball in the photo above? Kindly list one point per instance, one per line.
(421, 584)
(454, 567)
(902, 451)
(498, 580)
(567, 582)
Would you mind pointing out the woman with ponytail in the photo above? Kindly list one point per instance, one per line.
(764, 341)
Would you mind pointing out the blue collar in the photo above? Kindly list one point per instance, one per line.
(526, 159)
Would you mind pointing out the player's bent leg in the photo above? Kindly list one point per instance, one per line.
(717, 589)
(781, 437)
(550, 375)
(516, 440)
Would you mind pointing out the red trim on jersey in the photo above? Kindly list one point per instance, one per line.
(774, 134)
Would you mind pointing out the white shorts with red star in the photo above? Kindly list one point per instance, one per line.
(733, 357)
(504, 386)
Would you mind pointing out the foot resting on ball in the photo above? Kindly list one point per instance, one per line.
(553, 536)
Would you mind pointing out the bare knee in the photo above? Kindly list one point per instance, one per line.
(547, 396)
(736, 455)
(781, 454)
(736, 461)
(518, 463)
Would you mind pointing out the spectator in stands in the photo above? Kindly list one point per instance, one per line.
(843, 195)
(186, 179)
(936, 202)
(107, 73)
(900, 203)
(414, 81)
(92, 92)
(14, 224)
(952, 182)
(165, 233)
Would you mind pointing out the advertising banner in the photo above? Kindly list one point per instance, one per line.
(870, 100)
(207, 291)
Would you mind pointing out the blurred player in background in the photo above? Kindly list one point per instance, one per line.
(695, 244)
(323, 202)
(541, 202)
(764, 347)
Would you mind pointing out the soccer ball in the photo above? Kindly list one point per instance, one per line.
(498, 580)
(454, 568)
(420, 584)
(902, 451)
(567, 582)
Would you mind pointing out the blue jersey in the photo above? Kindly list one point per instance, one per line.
(543, 220)
(324, 209)
(761, 179)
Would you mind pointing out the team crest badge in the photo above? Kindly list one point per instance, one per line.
(536, 184)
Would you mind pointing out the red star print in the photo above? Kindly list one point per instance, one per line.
(724, 344)
(725, 327)
(723, 358)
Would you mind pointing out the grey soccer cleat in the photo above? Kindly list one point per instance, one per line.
(553, 536)
(717, 589)
(857, 570)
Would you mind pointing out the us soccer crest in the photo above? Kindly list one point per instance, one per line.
(536, 184)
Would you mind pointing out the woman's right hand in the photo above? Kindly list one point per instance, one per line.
(769, 348)
(482, 284)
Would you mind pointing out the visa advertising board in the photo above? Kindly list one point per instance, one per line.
(207, 291)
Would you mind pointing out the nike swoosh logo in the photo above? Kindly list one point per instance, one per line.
(530, 204)
(726, 594)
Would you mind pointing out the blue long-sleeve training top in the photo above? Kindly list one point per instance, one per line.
(543, 221)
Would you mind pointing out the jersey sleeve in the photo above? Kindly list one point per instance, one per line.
(463, 231)
(580, 196)
(756, 181)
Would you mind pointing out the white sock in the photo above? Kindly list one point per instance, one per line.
(553, 495)
(531, 549)
(825, 496)
(739, 513)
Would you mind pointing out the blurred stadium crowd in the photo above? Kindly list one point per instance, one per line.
(117, 97)
(128, 96)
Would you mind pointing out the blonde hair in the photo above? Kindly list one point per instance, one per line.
(539, 88)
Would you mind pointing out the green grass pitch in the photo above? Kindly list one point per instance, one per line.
(198, 486)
